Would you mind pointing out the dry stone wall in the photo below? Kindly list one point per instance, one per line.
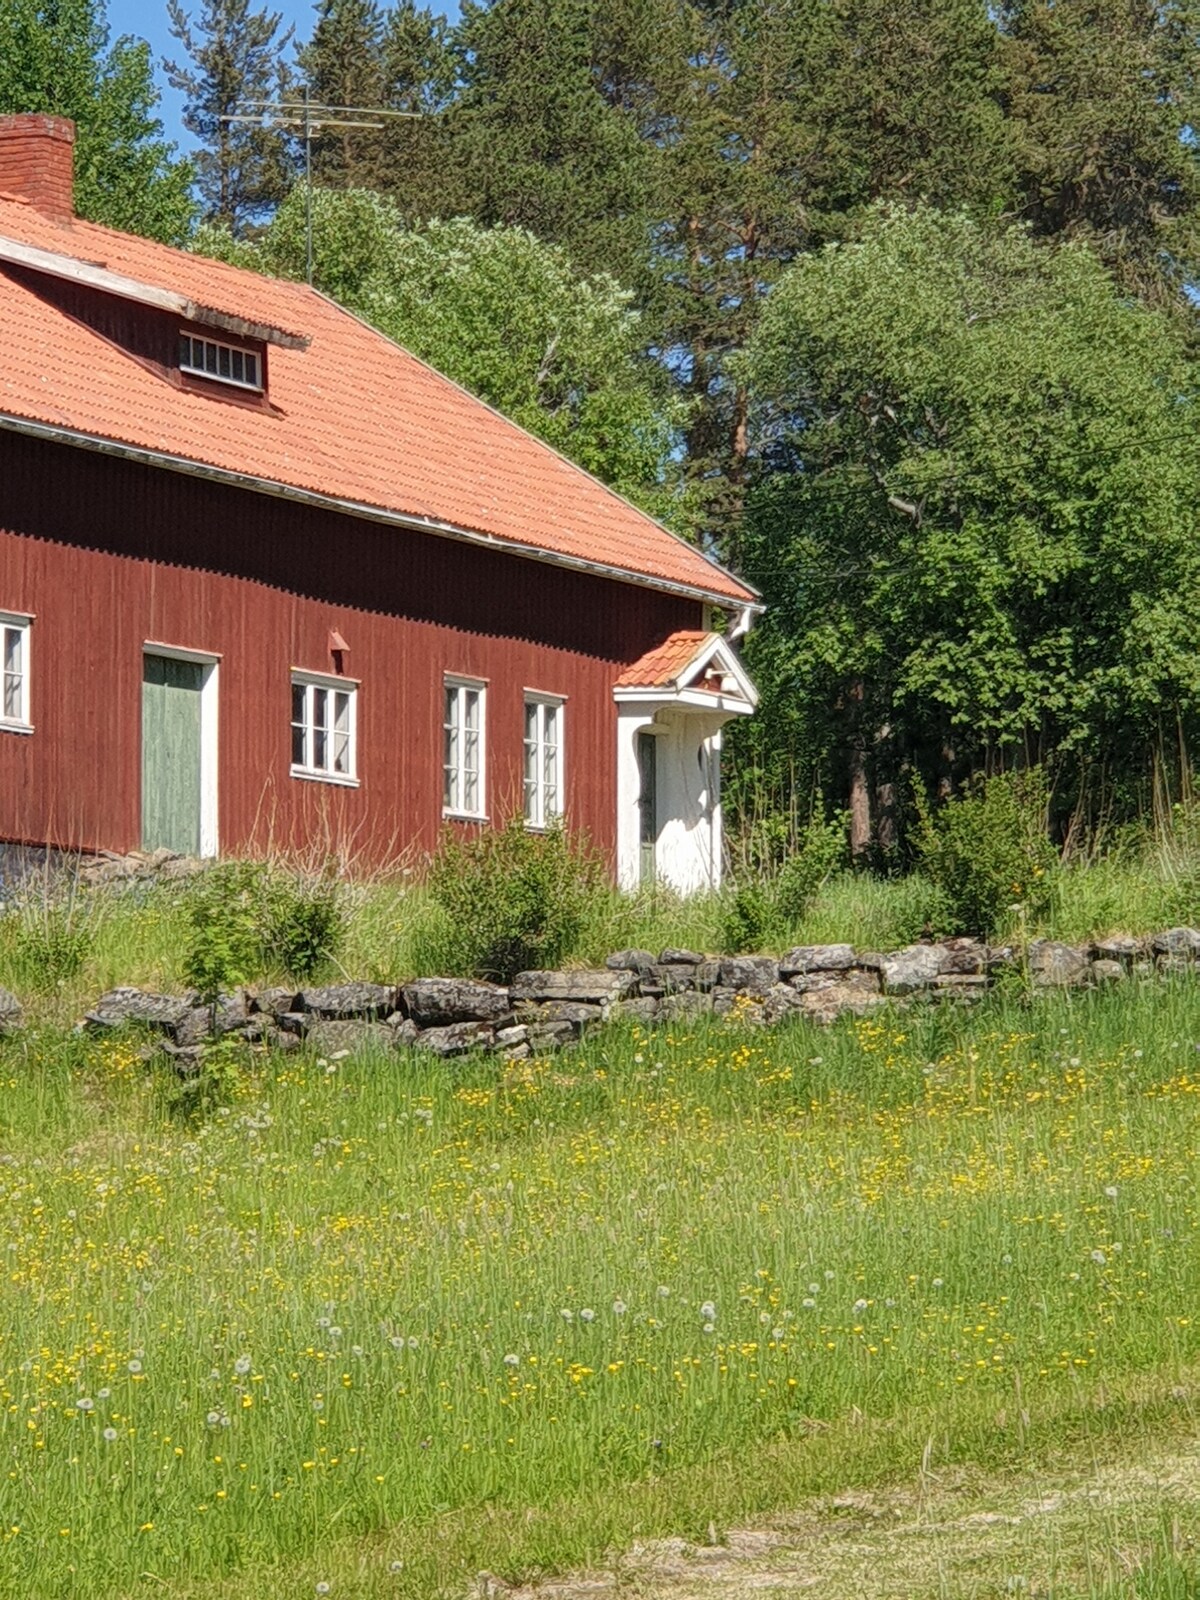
(540, 1012)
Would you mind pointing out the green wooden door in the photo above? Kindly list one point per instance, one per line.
(647, 758)
(171, 754)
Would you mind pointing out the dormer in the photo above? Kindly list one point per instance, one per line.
(208, 349)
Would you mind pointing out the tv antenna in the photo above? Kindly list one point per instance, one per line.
(312, 118)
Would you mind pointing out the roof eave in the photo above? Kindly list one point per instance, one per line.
(55, 433)
(95, 275)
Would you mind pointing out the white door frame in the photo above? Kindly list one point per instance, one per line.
(209, 738)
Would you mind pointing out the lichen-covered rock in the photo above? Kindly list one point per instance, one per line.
(167, 1012)
(355, 1036)
(11, 1012)
(671, 957)
(856, 994)
(438, 1002)
(1058, 966)
(274, 1001)
(1123, 947)
(666, 977)
(577, 1012)
(457, 1039)
(639, 1008)
(684, 1006)
(866, 979)
(1177, 942)
(1108, 971)
(966, 958)
(404, 1030)
(749, 974)
(588, 986)
(346, 1002)
(910, 970)
(807, 958)
(630, 960)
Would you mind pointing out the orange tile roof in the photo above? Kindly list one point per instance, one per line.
(354, 418)
(663, 666)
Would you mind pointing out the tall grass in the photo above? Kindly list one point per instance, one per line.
(366, 1295)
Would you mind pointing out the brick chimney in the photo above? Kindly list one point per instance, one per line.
(37, 162)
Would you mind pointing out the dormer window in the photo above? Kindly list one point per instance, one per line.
(224, 363)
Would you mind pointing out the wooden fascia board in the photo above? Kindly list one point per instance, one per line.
(694, 699)
(94, 275)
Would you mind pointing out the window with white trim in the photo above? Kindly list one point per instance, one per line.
(324, 727)
(463, 747)
(226, 363)
(543, 760)
(14, 670)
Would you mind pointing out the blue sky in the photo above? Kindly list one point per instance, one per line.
(147, 19)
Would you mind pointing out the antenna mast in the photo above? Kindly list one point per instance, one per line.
(311, 119)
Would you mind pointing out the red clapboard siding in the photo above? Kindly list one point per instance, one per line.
(108, 554)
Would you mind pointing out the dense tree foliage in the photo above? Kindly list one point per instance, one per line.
(980, 523)
(55, 56)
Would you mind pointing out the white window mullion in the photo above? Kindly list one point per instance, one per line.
(465, 748)
(324, 728)
(543, 768)
(14, 672)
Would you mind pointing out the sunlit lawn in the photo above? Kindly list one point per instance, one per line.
(365, 1297)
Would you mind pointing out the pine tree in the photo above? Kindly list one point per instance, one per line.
(343, 65)
(418, 167)
(236, 56)
(1105, 98)
(55, 57)
(540, 146)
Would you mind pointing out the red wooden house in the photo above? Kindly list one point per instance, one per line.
(266, 579)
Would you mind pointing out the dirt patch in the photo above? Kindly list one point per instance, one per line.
(1059, 1534)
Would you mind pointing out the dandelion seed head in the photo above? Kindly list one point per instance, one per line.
(619, 1308)
(587, 1315)
(511, 1360)
(110, 1434)
(242, 1366)
(135, 1366)
(85, 1404)
(708, 1311)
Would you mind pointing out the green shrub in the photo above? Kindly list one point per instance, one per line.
(50, 944)
(511, 899)
(223, 918)
(820, 851)
(988, 851)
(302, 923)
(244, 917)
(764, 907)
(748, 917)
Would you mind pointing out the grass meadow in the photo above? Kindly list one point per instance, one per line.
(370, 1326)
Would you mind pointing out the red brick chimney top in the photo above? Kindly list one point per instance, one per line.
(37, 162)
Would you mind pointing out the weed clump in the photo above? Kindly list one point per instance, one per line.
(764, 909)
(511, 900)
(243, 917)
(987, 851)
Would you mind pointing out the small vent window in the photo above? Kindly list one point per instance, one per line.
(224, 362)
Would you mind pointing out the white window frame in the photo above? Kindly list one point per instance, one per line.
(455, 690)
(202, 370)
(20, 624)
(538, 816)
(311, 682)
